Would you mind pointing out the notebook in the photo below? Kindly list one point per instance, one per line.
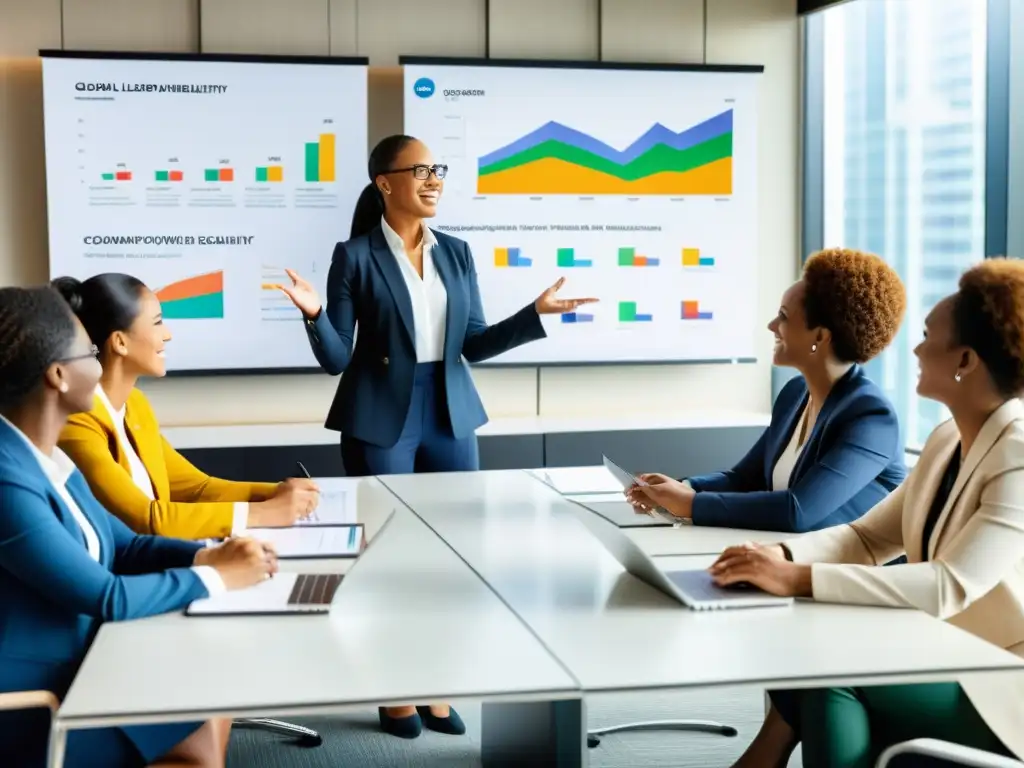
(693, 588)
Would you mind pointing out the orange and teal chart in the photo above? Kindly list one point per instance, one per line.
(200, 297)
(557, 159)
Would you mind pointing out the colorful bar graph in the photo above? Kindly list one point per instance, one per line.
(628, 257)
(577, 317)
(692, 258)
(691, 311)
(219, 174)
(628, 313)
(567, 258)
(168, 175)
(269, 173)
(326, 157)
(320, 165)
(510, 257)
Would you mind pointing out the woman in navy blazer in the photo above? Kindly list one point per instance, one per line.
(832, 450)
(67, 565)
(406, 402)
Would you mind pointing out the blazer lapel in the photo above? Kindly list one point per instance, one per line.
(79, 491)
(785, 433)
(393, 277)
(443, 265)
(990, 433)
(834, 397)
(148, 447)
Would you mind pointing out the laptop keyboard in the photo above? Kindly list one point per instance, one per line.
(315, 589)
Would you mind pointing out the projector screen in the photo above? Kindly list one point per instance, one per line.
(638, 184)
(205, 177)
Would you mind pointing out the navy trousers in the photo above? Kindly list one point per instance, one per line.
(426, 443)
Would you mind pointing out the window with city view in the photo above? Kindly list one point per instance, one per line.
(904, 159)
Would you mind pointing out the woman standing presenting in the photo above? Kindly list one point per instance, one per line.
(407, 402)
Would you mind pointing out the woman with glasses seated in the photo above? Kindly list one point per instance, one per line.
(959, 518)
(67, 566)
(407, 402)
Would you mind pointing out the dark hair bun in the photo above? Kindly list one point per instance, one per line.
(71, 289)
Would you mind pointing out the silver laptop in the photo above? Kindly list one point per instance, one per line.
(285, 593)
(694, 589)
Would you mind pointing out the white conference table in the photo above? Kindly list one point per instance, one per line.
(532, 615)
(616, 634)
(412, 623)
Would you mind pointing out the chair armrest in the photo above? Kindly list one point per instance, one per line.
(29, 700)
(955, 753)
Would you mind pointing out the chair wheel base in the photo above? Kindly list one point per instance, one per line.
(309, 742)
(593, 741)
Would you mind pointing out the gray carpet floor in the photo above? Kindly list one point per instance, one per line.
(355, 741)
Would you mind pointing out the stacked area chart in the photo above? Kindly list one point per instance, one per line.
(636, 184)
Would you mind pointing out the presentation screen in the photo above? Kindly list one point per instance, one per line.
(206, 177)
(636, 184)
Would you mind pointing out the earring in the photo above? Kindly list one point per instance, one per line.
(64, 387)
(814, 348)
(956, 378)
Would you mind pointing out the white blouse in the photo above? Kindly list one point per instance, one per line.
(783, 470)
(140, 475)
(428, 294)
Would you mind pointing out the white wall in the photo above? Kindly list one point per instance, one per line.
(734, 31)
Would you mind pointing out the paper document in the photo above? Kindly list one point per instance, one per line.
(576, 480)
(337, 502)
(312, 541)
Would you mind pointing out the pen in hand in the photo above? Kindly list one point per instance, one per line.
(303, 470)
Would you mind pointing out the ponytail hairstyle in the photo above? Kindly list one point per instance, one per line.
(104, 303)
(370, 206)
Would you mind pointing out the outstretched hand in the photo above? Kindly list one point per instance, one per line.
(548, 302)
(302, 294)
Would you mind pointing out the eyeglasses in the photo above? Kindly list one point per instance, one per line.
(422, 172)
(94, 352)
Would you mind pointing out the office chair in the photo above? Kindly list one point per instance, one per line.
(954, 754)
(304, 737)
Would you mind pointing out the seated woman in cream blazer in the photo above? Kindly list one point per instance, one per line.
(959, 518)
(130, 467)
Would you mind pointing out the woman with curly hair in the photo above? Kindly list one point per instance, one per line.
(832, 450)
(959, 518)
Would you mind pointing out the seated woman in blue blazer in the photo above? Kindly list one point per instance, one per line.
(407, 402)
(67, 565)
(832, 450)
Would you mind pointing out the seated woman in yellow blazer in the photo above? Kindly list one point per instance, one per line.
(959, 518)
(129, 465)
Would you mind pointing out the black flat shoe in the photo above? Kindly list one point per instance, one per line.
(452, 724)
(403, 727)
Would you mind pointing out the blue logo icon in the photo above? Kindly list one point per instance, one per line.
(424, 87)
